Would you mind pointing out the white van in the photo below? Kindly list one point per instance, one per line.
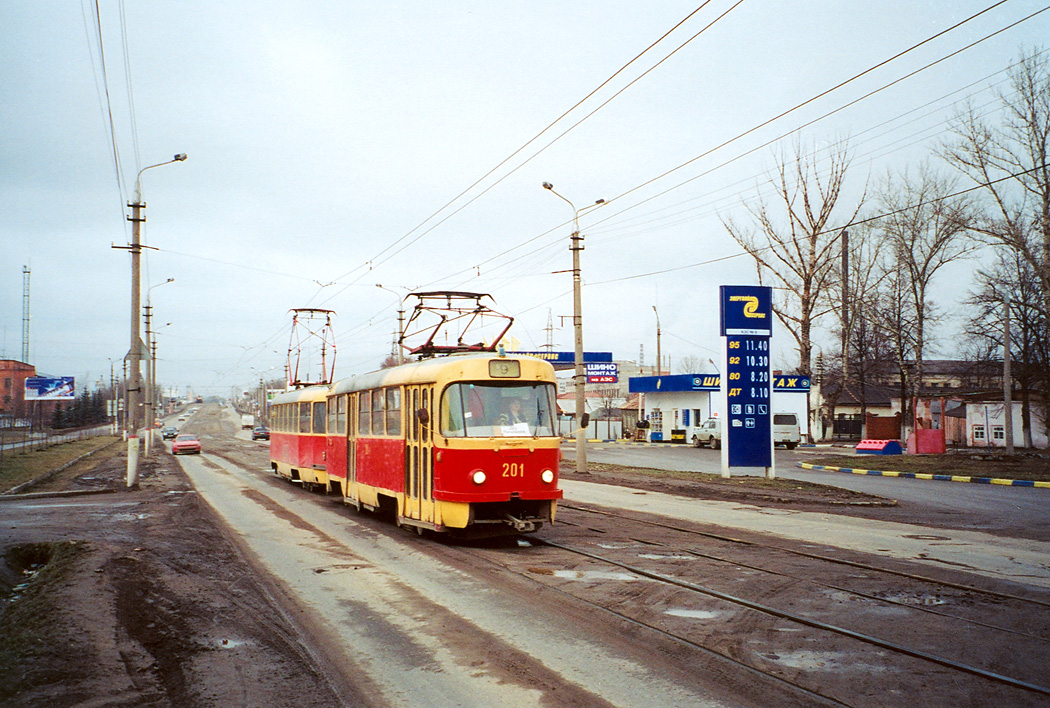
(786, 430)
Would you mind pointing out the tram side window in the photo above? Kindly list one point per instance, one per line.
(319, 417)
(331, 413)
(364, 413)
(340, 415)
(393, 411)
(304, 417)
(378, 409)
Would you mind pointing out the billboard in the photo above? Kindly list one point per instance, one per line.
(50, 388)
(602, 373)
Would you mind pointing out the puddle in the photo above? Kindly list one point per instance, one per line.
(694, 614)
(230, 643)
(922, 600)
(594, 575)
(827, 661)
(656, 556)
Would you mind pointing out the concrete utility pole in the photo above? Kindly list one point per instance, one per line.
(134, 413)
(1008, 384)
(576, 245)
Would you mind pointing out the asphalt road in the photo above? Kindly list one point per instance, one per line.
(992, 508)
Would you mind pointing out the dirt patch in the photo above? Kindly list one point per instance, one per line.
(137, 598)
(789, 493)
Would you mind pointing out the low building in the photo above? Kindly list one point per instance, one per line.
(673, 404)
(13, 375)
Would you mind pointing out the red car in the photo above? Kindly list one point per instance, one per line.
(186, 443)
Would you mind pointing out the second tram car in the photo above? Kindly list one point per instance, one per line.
(463, 443)
(298, 436)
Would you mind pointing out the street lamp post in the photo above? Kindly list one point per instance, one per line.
(399, 354)
(580, 380)
(659, 355)
(134, 415)
(151, 371)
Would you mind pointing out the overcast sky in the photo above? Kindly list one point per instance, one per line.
(324, 139)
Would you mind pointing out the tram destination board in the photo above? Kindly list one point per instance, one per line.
(746, 318)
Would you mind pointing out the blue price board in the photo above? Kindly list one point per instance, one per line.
(747, 323)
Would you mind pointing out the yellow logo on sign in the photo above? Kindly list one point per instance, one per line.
(750, 306)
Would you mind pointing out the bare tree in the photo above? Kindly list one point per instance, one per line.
(1016, 149)
(691, 364)
(794, 242)
(926, 230)
(868, 341)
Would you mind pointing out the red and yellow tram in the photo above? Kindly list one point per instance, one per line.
(298, 436)
(463, 442)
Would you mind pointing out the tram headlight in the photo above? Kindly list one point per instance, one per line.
(547, 476)
(478, 477)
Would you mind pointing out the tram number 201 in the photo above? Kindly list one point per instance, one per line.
(513, 469)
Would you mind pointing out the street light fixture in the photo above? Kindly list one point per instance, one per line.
(580, 380)
(659, 355)
(399, 354)
(151, 371)
(134, 415)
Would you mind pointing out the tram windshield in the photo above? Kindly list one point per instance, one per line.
(483, 410)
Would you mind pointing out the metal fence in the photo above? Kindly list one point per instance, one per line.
(22, 439)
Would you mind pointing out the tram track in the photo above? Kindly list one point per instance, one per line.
(998, 595)
(733, 642)
(814, 624)
(809, 685)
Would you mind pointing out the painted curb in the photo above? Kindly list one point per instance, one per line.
(923, 475)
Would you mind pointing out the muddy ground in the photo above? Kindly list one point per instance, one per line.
(140, 598)
(142, 601)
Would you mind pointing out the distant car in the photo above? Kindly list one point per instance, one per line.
(710, 433)
(169, 433)
(260, 432)
(186, 443)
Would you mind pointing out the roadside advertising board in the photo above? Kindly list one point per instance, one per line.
(598, 373)
(50, 388)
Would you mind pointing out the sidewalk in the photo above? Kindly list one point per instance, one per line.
(1019, 560)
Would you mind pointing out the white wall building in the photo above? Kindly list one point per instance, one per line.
(674, 404)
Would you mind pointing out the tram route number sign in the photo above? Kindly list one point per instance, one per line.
(601, 372)
(746, 328)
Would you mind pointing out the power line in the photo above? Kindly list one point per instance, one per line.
(858, 222)
(376, 259)
(784, 114)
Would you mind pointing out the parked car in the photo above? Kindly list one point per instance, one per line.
(169, 433)
(260, 432)
(186, 443)
(710, 433)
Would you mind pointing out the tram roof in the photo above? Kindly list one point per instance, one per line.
(428, 370)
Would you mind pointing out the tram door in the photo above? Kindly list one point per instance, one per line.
(419, 482)
(351, 447)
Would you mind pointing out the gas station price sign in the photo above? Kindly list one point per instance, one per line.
(747, 324)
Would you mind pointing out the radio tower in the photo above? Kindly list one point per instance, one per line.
(549, 329)
(25, 314)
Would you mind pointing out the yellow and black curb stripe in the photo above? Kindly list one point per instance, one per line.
(934, 477)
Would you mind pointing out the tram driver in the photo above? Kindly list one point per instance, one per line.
(512, 412)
